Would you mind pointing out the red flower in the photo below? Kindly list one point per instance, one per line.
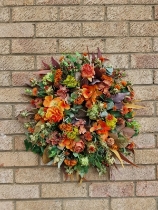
(87, 71)
(78, 146)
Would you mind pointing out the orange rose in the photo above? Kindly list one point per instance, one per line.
(87, 71)
(78, 146)
(54, 114)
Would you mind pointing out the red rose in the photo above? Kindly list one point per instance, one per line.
(78, 146)
(87, 71)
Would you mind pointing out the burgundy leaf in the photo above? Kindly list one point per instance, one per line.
(99, 55)
(84, 81)
(42, 72)
(93, 57)
(46, 66)
(126, 160)
(55, 63)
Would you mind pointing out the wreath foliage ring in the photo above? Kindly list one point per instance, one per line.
(81, 114)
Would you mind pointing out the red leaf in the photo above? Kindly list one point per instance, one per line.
(55, 63)
(46, 66)
(42, 72)
(99, 55)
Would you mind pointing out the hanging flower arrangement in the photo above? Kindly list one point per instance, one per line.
(81, 114)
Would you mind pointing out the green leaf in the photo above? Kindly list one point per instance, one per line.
(28, 145)
(115, 113)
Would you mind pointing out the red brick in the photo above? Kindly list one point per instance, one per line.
(81, 13)
(39, 205)
(112, 189)
(22, 78)
(146, 156)
(133, 204)
(19, 191)
(6, 175)
(5, 142)
(16, 62)
(143, 29)
(58, 29)
(6, 205)
(133, 173)
(18, 159)
(148, 188)
(32, 175)
(129, 13)
(144, 140)
(105, 29)
(144, 61)
(104, 2)
(16, 30)
(99, 204)
(80, 45)
(128, 44)
(66, 190)
(59, 2)
(34, 46)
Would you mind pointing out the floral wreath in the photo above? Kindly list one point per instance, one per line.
(81, 114)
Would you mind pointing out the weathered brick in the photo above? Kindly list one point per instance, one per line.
(19, 142)
(16, 62)
(6, 111)
(22, 78)
(18, 2)
(6, 175)
(144, 2)
(16, 30)
(66, 190)
(11, 127)
(5, 205)
(80, 45)
(129, 13)
(59, 2)
(82, 13)
(133, 204)
(140, 76)
(148, 188)
(144, 140)
(4, 14)
(34, 13)
(128, 44)
(146, 156)
(148, 110)
(133, 173)
(100, 204)
(144, 61)
(20, 107)
(156, 12)
(4, 46)
(156, 108)
(12, 95)
(148, 124)
(39, 205)
(144, 29)
(5, 79)
(112, 189)
(31, 175)
(118, 60)
(105, 29)
(19, 191)
(58, 29)
(146, 92)
(157, 171)
(104, 2)
(155, 77)
(18, 159)
(5, 142)
(34, 46)
(155, 44)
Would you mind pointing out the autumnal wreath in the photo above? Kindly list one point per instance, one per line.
(81, 114)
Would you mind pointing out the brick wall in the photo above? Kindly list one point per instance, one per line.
(32, 30)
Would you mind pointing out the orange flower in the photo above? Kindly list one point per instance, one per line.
(78, 146)
(65, 127)
(85, 54)
(87, 71)
(63, 105)
(47, 101)
(124, 110)
(100, 127)
(37, 117)
(124, 83)
(34, 91)
(30, 130)
(109, 117)
(57, 78)
(61, 58)
(70, 162)
(118, 86)
(87, 91)
(131, 145)
(88, 136)
(114, 146)
(102, 59)
(54, 114)
(107, 78)
(66, 142)
(79, 100)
